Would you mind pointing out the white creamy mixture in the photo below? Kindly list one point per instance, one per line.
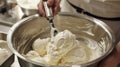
(4, 53)
(64, 49)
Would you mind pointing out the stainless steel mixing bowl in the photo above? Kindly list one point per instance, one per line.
(24, 32)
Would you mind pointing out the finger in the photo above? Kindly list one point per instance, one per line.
(50, 3)
(57, 7)
(56, 10)
(112, 58)
(118, 47)
(41, 8)
(118, 51)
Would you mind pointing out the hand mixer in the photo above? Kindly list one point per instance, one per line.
(49, 15)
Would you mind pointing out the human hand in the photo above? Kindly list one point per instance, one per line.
(54, 4)
(113, 59)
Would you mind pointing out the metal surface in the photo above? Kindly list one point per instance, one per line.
(49, 15)
(24, 32)
(16, 62)
(5, 23)
(48, 11)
